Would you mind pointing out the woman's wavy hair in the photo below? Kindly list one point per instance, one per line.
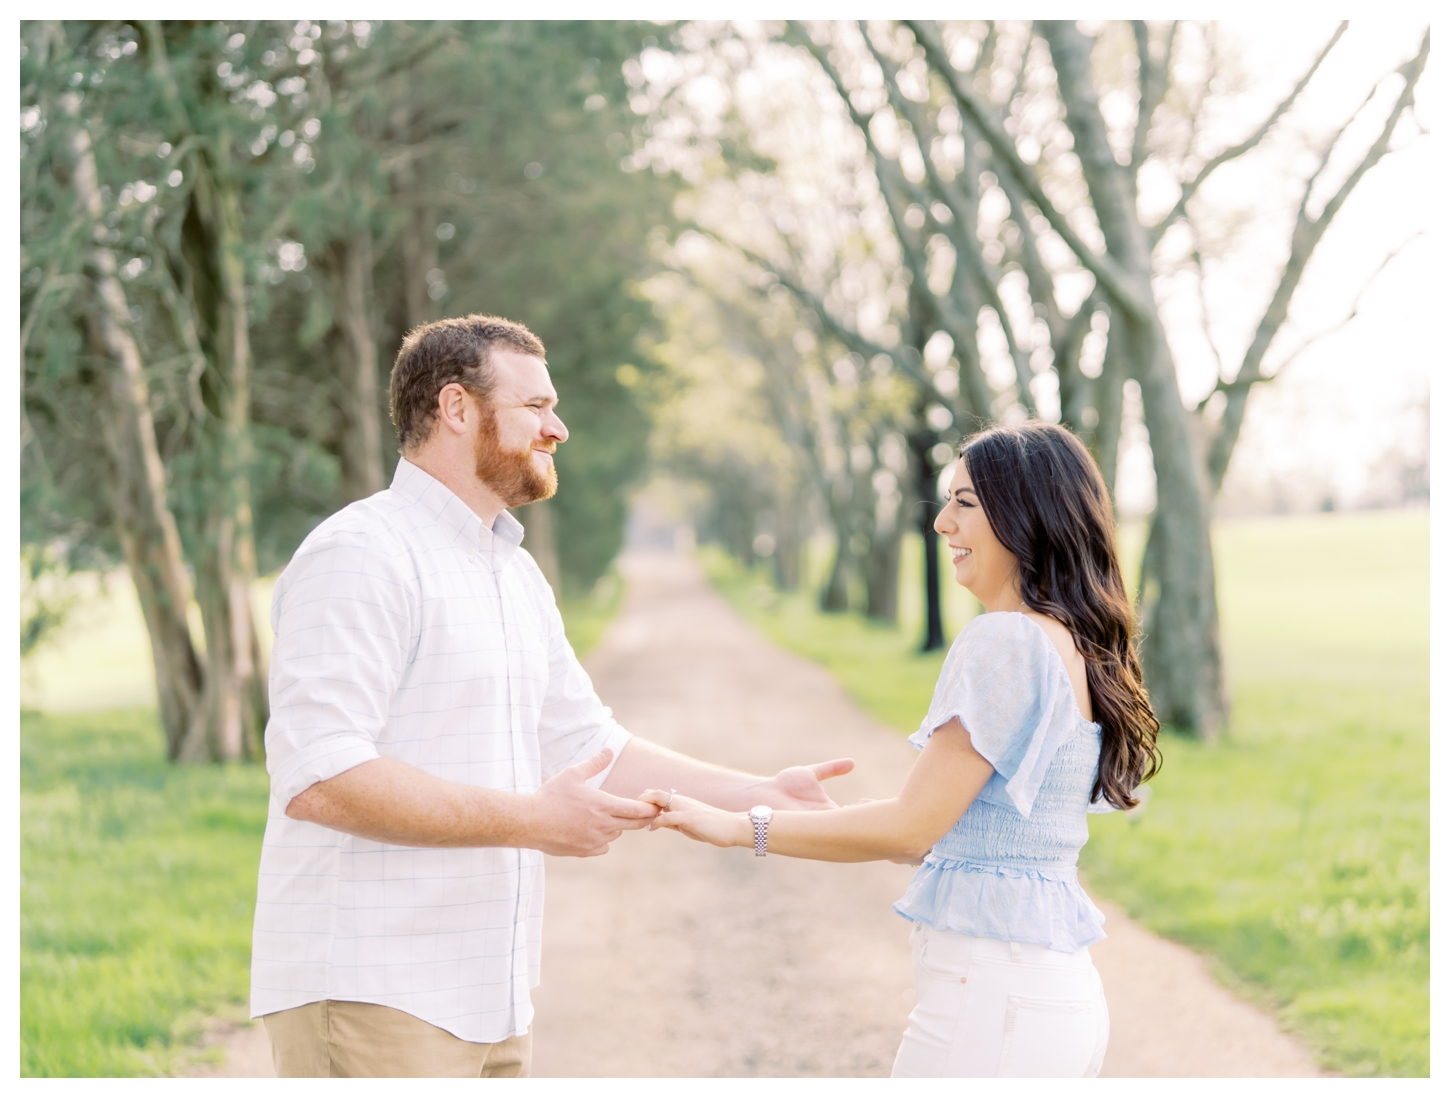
(1046, 502)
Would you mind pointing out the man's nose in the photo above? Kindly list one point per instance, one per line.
(554, 428)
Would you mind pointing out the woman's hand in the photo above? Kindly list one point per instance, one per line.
(700, 821)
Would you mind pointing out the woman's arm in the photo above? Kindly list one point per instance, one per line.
(947, 777)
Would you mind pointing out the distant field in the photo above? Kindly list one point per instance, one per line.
(1295, 850)
(138, 878)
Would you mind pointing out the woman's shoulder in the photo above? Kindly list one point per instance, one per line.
(1007, 631)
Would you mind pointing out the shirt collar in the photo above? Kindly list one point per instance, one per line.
(439, 501)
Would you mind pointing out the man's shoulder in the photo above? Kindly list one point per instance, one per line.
(369, 537)
(379, 522)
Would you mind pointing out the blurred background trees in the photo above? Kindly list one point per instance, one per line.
(805, 259)
(986, 214)
(227, 228)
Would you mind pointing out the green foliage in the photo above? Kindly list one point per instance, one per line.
(46, 596)
(1295, 850)
(480, 160)
(137, 886)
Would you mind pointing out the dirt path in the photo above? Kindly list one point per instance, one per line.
(669, 958)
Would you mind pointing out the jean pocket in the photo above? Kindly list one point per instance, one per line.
(1049, 1038)
(933, 958)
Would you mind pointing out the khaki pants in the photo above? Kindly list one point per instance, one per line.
(334, 1039)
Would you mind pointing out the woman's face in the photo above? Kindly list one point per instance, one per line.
(984, 566)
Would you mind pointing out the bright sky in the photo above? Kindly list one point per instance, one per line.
(1355, 393)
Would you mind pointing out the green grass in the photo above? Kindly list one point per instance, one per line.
(1294, 852)
(137, 885)
(138, 878)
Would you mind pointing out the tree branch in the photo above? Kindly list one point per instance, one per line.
(961, 327)
(1191, 187)
(1103, 268)
(1152, 87)
(1308, 232)
(846, 334)
(974, 270)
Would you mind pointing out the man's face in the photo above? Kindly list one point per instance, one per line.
(516, 440)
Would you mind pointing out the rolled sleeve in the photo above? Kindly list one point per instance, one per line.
(342, 615)
(573, 723)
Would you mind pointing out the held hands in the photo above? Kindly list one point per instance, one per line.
(573, 819)
(700, 821)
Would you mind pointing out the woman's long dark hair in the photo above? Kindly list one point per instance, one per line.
(1046, 502)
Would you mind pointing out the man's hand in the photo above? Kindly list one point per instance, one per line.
(572, 819)
(390, 802)
(799, 787)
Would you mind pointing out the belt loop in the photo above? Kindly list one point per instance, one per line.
(1016, 952)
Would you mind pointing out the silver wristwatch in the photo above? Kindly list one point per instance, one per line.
(760, 816)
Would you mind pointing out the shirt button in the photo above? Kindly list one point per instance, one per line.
(471, 550)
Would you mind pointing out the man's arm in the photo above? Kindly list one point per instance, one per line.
(392, 802)
(644, 765)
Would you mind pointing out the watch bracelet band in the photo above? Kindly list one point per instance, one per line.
(762, 826)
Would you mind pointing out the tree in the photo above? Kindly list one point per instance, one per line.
(1025, 243)
(186, 187)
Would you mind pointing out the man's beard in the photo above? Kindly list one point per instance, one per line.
(511, 473)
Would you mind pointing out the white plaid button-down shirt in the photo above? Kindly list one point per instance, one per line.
(406, 629)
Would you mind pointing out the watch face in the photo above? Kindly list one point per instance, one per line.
(761, 812)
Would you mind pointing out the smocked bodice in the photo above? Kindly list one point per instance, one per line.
(1008, 867)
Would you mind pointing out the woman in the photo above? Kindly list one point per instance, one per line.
(1038, 718)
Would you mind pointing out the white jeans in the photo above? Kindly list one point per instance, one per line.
(986, 1008)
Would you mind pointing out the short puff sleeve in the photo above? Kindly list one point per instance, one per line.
(1006, 683)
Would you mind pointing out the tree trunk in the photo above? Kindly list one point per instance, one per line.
(419, 248)
(362, 445)
(214, 294)
(789, 542)
(1107, 435)
(236, 700)
(417, 238)
(137, 480)
(883, 578)
(1182, 660)
(926, 473)
(538, 520)
(835, 597)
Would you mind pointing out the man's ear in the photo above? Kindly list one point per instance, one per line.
(455, 407)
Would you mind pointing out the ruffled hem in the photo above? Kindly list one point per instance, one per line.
(1035, 907)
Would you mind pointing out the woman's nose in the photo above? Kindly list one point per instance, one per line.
(940, 523)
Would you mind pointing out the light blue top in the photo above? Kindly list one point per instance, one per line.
(1008, 868)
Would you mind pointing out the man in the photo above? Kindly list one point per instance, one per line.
(433, 735)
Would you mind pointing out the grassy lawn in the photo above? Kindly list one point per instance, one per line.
(138, 878)
(137, 886)
(1295, 850)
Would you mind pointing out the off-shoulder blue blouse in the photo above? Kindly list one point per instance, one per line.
(1008, 868)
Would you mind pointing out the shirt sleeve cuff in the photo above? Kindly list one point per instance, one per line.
(321, 761)
(615, 741)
